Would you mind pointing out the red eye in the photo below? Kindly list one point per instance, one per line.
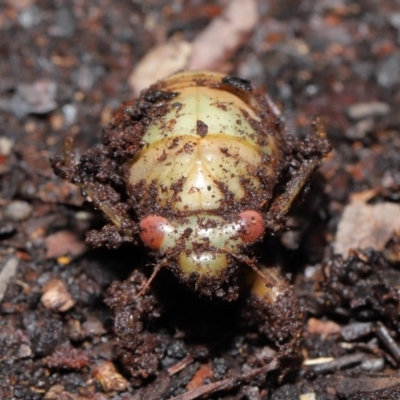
(253, 226)
(153, 230)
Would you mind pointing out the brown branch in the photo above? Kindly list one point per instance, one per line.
(226, 384)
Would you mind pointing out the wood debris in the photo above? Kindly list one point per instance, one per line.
(366, 226)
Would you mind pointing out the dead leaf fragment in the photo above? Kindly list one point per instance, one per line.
(213, 47)
(109, 378)
(64, 243)
(57, 392)
(323, 327)
(160, 62)
(7, 273)
(200, 376)
(366, 225)
(348, 386)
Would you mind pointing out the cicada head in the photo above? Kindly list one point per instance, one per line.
(202, 245)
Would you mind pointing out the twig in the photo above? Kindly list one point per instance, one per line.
(180, 365)
(337, 364)
(387, 340)
(226, 384)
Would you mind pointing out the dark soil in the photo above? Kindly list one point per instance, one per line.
(66, 330)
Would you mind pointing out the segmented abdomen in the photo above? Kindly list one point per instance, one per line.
(206, 148)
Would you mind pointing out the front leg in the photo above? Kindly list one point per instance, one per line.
(88, 175)
(275, 312)
(138, 345)
(310, 154)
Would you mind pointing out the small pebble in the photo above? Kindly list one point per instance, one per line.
(251, 392)
(24, 351)
(93, 327)
(30, 17)
(65, 23)
(394, 20)
(18, 210)
(359, 130)
(74, 329)
(7, 229)
(70, 113)
(56, 296)
(38, 97)
(308, 396)
(388, 72)
(109, 378)
(373, 364)
(6, 146)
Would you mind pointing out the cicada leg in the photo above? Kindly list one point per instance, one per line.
(102, 196)
(276, 313)
(138, 348)
(311, 153)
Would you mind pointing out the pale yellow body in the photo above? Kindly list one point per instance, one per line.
(174, 149)
(201, 153)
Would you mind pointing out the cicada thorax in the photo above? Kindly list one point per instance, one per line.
(206, 171)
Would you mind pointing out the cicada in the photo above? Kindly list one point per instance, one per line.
(199, 169)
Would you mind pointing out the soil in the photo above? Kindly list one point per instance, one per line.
(66, 326)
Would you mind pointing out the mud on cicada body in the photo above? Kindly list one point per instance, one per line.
(198, 169)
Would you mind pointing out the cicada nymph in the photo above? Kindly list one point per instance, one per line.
(198, 169)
